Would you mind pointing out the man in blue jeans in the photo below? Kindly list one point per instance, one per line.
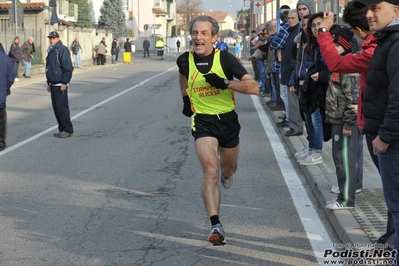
(27, 50)
(381, 98)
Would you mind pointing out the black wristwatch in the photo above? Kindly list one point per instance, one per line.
(323, 29)
(226, 83)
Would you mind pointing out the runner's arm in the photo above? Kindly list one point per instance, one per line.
(246, 85)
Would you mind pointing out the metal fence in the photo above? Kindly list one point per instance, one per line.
(7, 38)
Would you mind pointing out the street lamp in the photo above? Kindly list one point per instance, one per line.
(52, 13)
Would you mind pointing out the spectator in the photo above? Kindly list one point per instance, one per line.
(7, 77)
(380, 97)
(128, 49)
(117, 50)
(77, 50)
(101, 52)
(16, 55)
(1, 48)
(27, 49)
(278, 41)
(114, 50)
(177, 45)
(254, 61)
(341, 112)
(288, 63)
(273, 73)
(58, 74)
(146, 47)
(313, 95)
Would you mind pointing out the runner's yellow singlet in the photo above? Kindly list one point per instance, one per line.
(206, 99)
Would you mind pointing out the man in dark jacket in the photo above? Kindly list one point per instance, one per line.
(15, 56)
(59, 73)
(381, 98)
(7, 77)
(146, 47)
(288, 63)
(127, 46)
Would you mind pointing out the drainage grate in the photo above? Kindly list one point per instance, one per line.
(371, 213)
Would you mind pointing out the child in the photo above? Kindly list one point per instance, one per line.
(341, 112)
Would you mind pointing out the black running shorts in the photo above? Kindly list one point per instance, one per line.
(224, 127)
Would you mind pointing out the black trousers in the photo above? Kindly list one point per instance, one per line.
(100, 59)
(60, 103)
(146, 51)
(3, 128)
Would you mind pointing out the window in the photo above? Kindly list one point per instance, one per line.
(125, 4)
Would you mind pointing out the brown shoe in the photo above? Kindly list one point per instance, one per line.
(272, 105)
(269, 102)
(282, 117)
(276, 108)
(64, 134)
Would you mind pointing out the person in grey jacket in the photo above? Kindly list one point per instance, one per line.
(7, 76)
(101, 52)
(59, 73)
(27, 50)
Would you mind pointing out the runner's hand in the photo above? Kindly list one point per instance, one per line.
(187, 106)
(216, 81)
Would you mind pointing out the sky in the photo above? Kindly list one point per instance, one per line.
(231, 6)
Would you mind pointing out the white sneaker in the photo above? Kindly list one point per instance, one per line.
(335, 189)
(311, 159)
(301, 153)
(335, 205)
(16, 79)
(331, 201)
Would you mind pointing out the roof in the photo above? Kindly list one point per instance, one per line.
(218, 15)
(159, 11)
(27, 6)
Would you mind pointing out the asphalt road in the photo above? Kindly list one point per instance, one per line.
(125, 188)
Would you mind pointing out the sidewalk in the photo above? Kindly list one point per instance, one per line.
(367, 221)
(38, 73)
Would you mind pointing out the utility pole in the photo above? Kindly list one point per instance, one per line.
(264, 11)
(335, 10)
(16, 14)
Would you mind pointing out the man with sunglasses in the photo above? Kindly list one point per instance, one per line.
(59, 73)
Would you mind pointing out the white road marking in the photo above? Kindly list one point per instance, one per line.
(22, 143)
(315, 230)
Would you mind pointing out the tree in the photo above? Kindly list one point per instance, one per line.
(84, 18)
(113, 18)
(188, 9)
(244, 18)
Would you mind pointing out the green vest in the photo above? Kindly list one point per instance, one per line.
(206, 99)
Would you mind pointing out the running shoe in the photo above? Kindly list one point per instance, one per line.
(301, 153)
(312, 158)
(216, 237)
(337, 206)
(227, 182)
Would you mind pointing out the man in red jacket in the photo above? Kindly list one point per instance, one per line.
(354, 63)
